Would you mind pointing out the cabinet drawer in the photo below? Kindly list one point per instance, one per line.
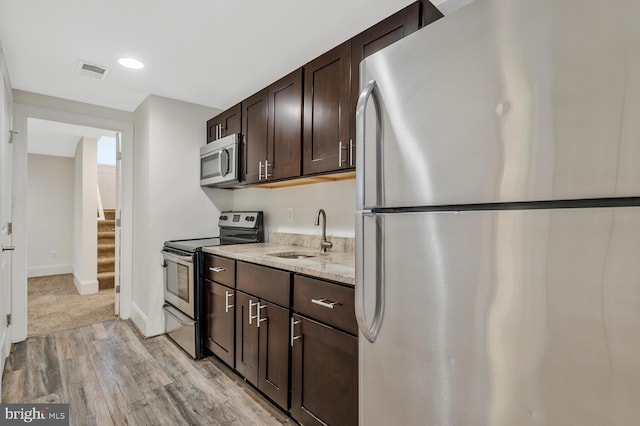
(270, 284)
(326, 302)
(220, 269)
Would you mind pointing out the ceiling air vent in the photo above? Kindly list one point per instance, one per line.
(92, 70)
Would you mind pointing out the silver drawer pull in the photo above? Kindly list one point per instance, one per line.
(324, 303)
(217, 269)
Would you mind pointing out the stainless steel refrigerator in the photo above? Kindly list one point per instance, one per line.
(498, 227)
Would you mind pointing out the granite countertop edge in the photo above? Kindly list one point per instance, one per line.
(333, 266)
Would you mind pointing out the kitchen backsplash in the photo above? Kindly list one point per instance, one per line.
(340, 244)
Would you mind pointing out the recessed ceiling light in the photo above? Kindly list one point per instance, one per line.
(131, 63)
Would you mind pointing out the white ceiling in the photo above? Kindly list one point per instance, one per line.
(209, 52)
(59, 139)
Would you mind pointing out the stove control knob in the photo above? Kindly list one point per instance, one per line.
(223, 218)
(248, 218)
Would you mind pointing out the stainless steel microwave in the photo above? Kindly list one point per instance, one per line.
(219, 162)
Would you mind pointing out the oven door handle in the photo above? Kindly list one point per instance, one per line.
(178, 316)
(175, 257)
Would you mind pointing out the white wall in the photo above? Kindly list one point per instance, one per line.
(50, 210)
(107, 185)
(169, 202)
(338, 199)
(85, 240)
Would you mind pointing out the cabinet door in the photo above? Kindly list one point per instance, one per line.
(430, 13)
(220, 321)
(324, 382)
(212, 128)
(368, 42)
(224, 124)
(285, 127)
(326, 111)
(230, 121)
(246, 337)
(254, 137)
(273, 377)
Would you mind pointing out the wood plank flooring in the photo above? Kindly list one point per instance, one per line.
(111, 376)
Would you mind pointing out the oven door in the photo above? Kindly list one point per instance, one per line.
(219, 162)
(179, 282)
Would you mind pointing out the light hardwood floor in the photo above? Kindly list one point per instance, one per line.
(111, 376)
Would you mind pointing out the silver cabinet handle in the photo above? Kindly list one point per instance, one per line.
(266, 169)
(341, 148)
(8, 248)
(251, 317)
(293, 325)
(259, 319)
(361, 111)
(260, 170)
(369, 332)
(217, 269)
(324, 303)
(350, 152)
(227, 306)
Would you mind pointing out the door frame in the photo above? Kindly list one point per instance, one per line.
(22, 112)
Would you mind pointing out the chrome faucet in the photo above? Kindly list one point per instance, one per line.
(324, 244)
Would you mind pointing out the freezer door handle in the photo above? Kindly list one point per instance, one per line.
(370, 91)
(370, 332)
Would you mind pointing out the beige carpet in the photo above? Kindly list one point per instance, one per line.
(54, 305)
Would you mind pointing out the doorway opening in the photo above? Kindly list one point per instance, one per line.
(71, 208)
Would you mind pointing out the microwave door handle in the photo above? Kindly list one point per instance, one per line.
(220, 163)
(226, 169)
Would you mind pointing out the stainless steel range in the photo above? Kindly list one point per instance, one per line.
(183, 287)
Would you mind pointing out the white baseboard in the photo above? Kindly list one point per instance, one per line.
(143, 324)
(85, 287)
(46, 270)
(139, 319)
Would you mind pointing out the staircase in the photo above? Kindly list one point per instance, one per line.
(106, 250)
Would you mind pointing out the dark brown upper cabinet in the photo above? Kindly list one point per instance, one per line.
(326, 111)
(429, 13)
(381, 35)
(224, 124)
(254, 137)
(285, 127)
(272, 131)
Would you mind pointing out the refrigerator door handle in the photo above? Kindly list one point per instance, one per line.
(369, 91)
(370, 332)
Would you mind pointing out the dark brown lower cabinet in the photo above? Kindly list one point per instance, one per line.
(262, 346)
(273, 370)
(246, 338)
(324, 385)
(220, 321)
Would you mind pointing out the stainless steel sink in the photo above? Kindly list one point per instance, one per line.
(293, 255)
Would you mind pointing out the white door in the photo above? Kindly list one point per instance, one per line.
(118, 227)
(5, 215)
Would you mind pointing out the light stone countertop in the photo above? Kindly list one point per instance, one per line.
(334, 266)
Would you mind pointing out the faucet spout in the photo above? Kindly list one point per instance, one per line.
(324, 243)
